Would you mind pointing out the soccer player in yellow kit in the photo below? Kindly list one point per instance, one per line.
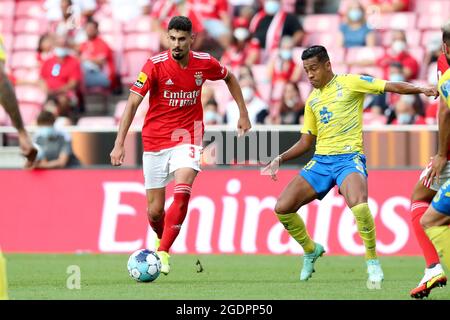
(9, 101)
(436, 219)
(333, 120)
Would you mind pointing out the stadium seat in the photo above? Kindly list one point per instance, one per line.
(24, 59)
(432, 7)
(297, 54)
(140, 113)
(105, 121)
(375, 72)
(114, 40)
(260, 73)
(33, 9)
(108, 26)
(337, 55)
(364, 53)
(8, 41)
(26, 42)
(321, 23)
(133, 63)
(339, 68)
(327, 39)
(30, 112)
(429, 35)
(434, 21)
(141, 24)
(7, 9)
(33, 26)
(143, 41)
(305, 89)
(29, 74)
(389, 21)
(418, 53)
(6, 25)
(31, 94)
(413, 37)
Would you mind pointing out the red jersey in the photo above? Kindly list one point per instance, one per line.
(210, 9)
(442, 66)
(58, 72)
(175, 105)
(164, 11)
(405, 3)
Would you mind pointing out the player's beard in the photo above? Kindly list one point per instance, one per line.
(178, 55)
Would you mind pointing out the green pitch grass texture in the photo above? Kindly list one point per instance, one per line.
(105, 276)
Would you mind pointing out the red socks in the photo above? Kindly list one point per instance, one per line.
(175, 215)
(418, 208)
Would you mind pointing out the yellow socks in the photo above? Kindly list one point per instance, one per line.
(366, 228)
(440, 236)
(3, 283)
(294, 224)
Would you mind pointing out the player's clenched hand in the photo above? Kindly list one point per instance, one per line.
(243, 125)
(272, 168)
(29, 151)
(117, 155)
(430, 91)
(437, 164)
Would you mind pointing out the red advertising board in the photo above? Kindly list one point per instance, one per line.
(230, 211)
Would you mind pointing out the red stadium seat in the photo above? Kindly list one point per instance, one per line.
(388, 21)
(305, 89)
(104, 121)
(141, 24)
(418, 53)
(140, 113)
(432, 7)
(413, 38)
(109, 25)
(34, 9)
(429, 35)
(297, 54)
(260, 73)
(7, 9)
(375, 72)
(26, 42)
(435, 21)
(337, 55)
(327, 39)
(24, 59)
(30, 112)
(364, 53)
(27, 25)
(339, 68)
(321, 23)
(7, 41)
(143, 41)
(30, 74)
(114, 40)
(31, 94)
(6, 25)
(132, 64)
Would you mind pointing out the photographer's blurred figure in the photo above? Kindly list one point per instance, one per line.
(54, 146)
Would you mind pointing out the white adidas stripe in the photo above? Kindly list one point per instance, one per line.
(160, 60)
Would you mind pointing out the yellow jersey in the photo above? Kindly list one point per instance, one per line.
(444, 87)
(2, 50)
(334, 113)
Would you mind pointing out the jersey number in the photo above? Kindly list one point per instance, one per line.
(192, 152)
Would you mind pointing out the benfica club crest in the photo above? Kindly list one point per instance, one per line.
(198, 78)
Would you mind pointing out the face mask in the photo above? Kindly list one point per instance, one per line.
(396, 77)
(286, 54)
(271, 7)
(291, 103)
(210, 116)
(61, 52)
(404, 118)
(241, 34)
(355, 15)
(247, 93)
(398, 46)
(46, 131)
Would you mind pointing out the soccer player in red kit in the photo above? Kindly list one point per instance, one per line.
(173, 127)
(423, 194)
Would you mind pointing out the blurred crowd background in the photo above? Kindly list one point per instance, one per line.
(77, 58)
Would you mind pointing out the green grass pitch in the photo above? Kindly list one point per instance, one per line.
(104, 276)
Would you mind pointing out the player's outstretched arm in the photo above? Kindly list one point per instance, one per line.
(409, 88)
(243, 124)
(300, 147)
(118, 152)
(440, 159)
(9, 101)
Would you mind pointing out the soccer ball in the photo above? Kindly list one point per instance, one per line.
(144, 265)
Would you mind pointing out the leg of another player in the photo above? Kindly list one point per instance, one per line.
(436, 225)
(156, 199)
(354, 189)
(298, 193)
(3, 281)
(184, 178)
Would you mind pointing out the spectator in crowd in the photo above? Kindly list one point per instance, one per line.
(406, 113)
(54, 146)
(215, 17)
(82, 9)
(61, 79)
(388, 6)
(291, 108)
(282, 68)
(164, 10)
(97, 59)
(355, 32)
(126, 10)
(211, 113)
(429, 65)
(256, 107)
(243, 49)
(271, 23)
(45, 47)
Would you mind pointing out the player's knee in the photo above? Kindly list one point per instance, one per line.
(281, 207)
(155, 213)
